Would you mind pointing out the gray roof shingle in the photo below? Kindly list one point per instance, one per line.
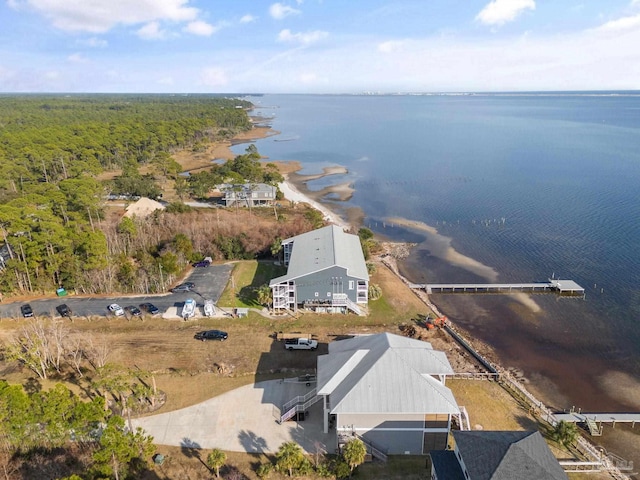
(507, 455)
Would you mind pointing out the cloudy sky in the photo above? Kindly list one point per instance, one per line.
(318, 46)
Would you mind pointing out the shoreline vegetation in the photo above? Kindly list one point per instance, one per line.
(295, 189)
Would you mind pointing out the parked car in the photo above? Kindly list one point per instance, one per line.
(201, 263)
(116, 309)
(133, 310)
(64, 310)
(183, 287)
(211, 335)
(300, 344)
(26, 310)
(149, 308)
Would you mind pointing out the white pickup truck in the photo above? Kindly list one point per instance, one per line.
(300, 344)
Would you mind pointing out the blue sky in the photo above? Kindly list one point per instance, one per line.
(318, 46)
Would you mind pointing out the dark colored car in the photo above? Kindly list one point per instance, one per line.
(201, 263)
(133, 310)
(149, 308)
(26, 310)
(64, 310)
(211, 335)
(183, 287)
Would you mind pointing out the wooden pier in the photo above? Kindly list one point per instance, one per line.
(560, 287)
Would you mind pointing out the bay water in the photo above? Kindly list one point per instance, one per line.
(520, 187)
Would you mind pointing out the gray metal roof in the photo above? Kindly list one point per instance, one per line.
(324, 248)
(507, 455)
(365, 375)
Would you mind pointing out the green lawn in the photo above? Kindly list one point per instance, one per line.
(246, 277)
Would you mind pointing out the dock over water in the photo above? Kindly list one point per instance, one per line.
(561, 287)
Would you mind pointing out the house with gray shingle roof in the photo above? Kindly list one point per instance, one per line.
(389, 391)
(326, 272)
(486, 455)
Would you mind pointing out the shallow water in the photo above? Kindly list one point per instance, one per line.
(529, 186)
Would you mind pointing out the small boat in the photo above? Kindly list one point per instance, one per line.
(189, 308)
(209, 308)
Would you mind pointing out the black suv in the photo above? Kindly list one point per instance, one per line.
(64, 310)
(211, 335)
(149, 308)
(133, 311)
(26, 310)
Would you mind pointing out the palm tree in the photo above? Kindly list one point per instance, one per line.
(263, 295)
(354, 453)
(565, 433)
(288, 457)
(216, 459)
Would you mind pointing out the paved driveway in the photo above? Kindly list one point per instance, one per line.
(242, 420)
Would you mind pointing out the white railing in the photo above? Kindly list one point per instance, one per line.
(299, 399)
(465, 424)
(299, 407)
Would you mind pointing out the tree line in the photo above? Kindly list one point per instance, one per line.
(53, 229)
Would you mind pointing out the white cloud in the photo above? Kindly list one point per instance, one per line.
(248, 19)
(213, 77)
(620, 25)
(93, 42)
(99, 16)
(200, 28)
(165, 81)
(77, 58)
(280, 11)
(303, 38)
(499, 12)
(151, 31)
(390, 46)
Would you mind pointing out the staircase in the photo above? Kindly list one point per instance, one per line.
(593, 428)
(342, 300)
(371, 448)
(298, 404)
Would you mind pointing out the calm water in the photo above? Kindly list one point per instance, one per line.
(528, 185)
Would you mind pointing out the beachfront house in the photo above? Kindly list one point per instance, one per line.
(389, 391)
(486, 455)
(326, 272)
(248, 194)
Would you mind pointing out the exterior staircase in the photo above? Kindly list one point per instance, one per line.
(593, 428)
(298, 404)
(342, 300)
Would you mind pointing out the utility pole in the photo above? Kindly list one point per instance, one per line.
(161, 279)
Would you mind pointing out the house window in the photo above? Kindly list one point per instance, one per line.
(317, 294)
(352, 284)
(328, 294)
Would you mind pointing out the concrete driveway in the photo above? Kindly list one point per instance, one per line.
(242, 420)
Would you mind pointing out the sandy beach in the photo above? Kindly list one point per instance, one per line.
(292, 194)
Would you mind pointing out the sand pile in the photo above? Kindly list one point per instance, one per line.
(143, 208)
